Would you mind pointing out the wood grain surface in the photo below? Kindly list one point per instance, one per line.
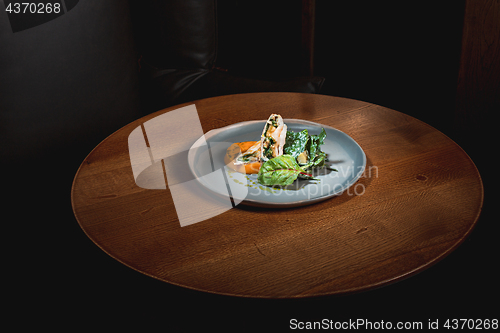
(421, 199)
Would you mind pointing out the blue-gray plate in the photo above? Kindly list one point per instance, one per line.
(206, 161)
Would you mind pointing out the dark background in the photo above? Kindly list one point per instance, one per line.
(67, 84)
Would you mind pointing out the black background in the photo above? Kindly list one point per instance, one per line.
(67, 84)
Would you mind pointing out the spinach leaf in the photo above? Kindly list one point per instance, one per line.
(282, 170)
(298, 142)
(319, 160)
(315, 142)
(295, 142)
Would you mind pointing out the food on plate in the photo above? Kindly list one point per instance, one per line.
(273, 137)
(281, 156)
(282, 170)
(306, 148)
(244, 157)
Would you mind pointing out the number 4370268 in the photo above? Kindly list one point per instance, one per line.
(33, 8)
(471, 324)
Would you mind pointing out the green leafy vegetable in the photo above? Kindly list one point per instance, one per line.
(299, 146)
(298, 142)
(314, 143)
(282, 170)
(295, 142)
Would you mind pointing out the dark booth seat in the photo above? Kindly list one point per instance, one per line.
(167, 87)
(178, 46)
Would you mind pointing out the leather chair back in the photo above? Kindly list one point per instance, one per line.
(177, 34)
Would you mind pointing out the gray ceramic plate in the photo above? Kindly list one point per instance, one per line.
(206, 161)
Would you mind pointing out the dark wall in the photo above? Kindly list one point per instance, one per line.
(402, 55)
(260, 39)
(67, 83)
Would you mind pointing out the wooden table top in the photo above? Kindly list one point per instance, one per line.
(423, 201)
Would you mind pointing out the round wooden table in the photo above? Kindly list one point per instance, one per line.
(421, 200)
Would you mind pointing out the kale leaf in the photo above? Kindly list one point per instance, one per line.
(295, 142)
(298, 142)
